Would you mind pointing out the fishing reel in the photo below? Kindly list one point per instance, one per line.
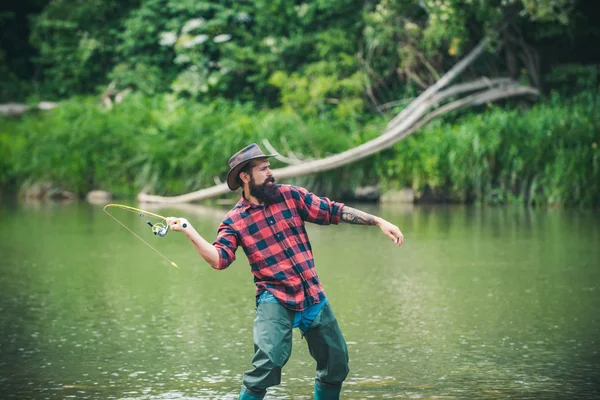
(159, 229)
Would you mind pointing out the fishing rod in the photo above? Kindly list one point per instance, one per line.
(160, 228)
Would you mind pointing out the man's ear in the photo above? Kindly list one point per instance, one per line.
(245, 177)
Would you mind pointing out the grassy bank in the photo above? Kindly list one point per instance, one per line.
(544, 155)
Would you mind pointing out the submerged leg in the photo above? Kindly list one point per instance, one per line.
(272, 346)
(327, 346)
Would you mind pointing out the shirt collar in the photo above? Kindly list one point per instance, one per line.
(246, 204)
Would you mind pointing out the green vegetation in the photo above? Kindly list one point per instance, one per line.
(316, 77)
(159, 143)
(545, 155)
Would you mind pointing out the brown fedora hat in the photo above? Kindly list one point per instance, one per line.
(240, 159)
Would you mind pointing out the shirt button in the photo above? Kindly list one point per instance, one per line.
(271, 221)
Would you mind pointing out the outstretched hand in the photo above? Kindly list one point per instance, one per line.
(391, 231)
(177, 224)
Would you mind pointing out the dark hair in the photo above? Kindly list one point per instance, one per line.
(246, 168)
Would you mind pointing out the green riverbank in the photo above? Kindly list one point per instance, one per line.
(545, 155)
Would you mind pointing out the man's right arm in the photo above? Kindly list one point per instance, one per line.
(204, 248)
(207, 250)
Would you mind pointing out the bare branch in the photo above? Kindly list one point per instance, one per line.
(428, 65)
(16, 109)
(368, 87)
(47, 105)
(414, 77)
(393, 104)
(384, 141)
(201, 210)
(121, 95)
(443, 82)
(417, 114)
(186, 198)
(283, 159)
(472, 86)
(481, 98)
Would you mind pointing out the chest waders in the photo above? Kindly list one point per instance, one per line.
(273, 327)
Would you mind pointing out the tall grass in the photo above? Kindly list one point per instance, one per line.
(545, 155)
(159, 144)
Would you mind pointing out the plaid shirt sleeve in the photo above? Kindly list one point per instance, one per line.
(318, 210)
(226, 245)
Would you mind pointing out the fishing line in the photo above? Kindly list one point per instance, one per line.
(142, 213)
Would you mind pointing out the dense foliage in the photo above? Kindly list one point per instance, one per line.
(546, 155)
(310, 55)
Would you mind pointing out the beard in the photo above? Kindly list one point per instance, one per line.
(266, 192)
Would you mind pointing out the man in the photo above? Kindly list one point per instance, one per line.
(268, 223)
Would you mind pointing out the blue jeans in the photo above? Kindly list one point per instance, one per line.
(302, 319)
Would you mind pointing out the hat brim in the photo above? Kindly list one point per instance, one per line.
(233, 172)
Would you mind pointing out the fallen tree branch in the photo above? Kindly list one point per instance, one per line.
(474, 100)
(283, 159)
(201, 210)
(291, 159)
(384, 141)
(392, 135)
(16, 109)
(414, 117)
(442, 82)
(472, 86)
(112, 95)
(393, 104)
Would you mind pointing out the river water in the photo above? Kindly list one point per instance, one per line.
(479, 303)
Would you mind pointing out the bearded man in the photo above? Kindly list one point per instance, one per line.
(268, 223)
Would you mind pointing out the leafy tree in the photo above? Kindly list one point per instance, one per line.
(16, 69)
(231, 49)
(77, 42)
(313, 57)
(408, 43)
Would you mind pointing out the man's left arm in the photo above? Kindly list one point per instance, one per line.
(353, 216)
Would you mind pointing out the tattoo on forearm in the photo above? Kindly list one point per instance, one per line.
(357, 217)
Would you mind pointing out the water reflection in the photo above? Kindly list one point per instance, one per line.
(478, 303)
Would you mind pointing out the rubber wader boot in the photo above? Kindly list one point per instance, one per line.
(322, 393)
(247, 396)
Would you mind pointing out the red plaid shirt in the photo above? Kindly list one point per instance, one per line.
(275, 241)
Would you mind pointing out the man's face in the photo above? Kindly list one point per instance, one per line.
(262, 184)
(261, 172)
